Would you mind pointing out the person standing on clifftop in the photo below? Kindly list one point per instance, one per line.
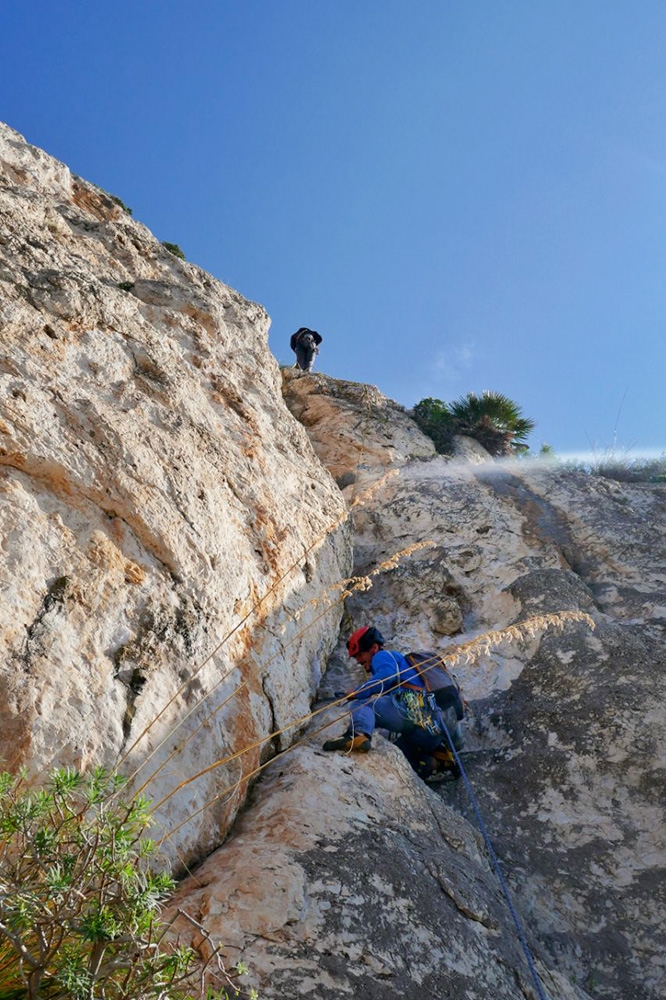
(305, 344)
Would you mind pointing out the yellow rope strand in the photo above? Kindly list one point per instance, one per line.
(178, 748)
(472, 650)
(230, 789)
(232, 695)
(512, 632)
(351, 584)
(363, 498)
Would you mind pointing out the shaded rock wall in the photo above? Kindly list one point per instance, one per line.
(568, 732)
(154, 490)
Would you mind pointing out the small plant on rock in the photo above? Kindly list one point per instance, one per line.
(174, 249)
(120, 203)
(624, 469)
(107, 194)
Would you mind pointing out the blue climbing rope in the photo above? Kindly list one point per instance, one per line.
(498, 871)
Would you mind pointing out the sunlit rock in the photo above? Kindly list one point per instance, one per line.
(358, 433)
(158, 500)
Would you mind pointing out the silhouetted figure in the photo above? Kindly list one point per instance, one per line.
(305, 344)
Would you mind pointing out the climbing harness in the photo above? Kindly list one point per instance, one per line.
(420, 708)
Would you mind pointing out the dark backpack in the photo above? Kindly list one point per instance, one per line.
(430, 668)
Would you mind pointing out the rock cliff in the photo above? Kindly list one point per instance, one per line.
(350, 877)
(158, 497)
(357, 432)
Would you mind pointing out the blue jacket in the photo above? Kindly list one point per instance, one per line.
(388, 669)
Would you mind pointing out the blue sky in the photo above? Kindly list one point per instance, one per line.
(458, 196)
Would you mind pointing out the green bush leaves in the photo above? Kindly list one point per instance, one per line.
(492, 419)
(79, 903)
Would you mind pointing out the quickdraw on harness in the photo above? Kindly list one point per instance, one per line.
(419, 707)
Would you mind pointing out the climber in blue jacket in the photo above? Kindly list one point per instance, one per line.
(393, 697)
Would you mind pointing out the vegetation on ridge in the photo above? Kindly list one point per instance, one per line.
(174, 249)
(624, 469)
(492, 419)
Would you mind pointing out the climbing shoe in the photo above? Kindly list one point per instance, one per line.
(424, 766)
(360, 743)
(444, 767)
(443, 759)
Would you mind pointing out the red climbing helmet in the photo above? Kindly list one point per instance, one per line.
(363, 638)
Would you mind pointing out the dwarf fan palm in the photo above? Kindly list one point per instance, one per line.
(492, 419)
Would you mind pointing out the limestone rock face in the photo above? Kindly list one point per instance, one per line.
(170, 549)
(348, 877)
(567, 732)
(567, 737)
(470, 450)
(358, 433)
(157, 497)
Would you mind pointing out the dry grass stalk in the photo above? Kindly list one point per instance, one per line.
(374, 488)
(356, 582)
(468, 652)
(394, 560)
(351, 585)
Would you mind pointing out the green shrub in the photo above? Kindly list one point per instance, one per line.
(174, 249)
(126, 286)
(492, 419)
(435, 420)
(79, 903)
(120, 203)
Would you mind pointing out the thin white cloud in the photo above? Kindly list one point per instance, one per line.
(442, 375)
(450, 364)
